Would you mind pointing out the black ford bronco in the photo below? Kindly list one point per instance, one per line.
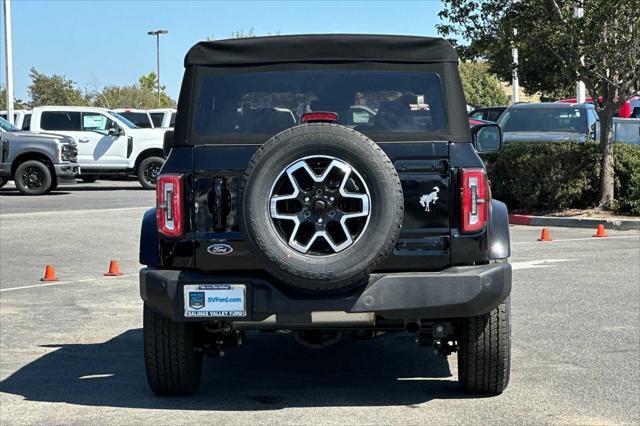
(328, 185)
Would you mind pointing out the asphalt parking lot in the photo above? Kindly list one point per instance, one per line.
(71, 352)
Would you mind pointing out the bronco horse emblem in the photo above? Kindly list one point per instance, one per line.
(427, 199)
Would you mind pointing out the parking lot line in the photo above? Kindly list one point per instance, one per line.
(47, 213)
(57, 283)
(618, 237)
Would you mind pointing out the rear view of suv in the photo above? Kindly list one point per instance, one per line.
(327, 185)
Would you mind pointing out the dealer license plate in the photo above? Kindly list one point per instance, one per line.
(214, 300)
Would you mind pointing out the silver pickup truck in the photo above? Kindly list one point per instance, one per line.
(36, 162)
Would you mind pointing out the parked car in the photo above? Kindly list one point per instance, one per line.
(488, 113)
(626, 130)
(37, 163)
(549, 122)
(626, 110)
(107, 142)
(21, 118)
(270, 219)
(163, 117)
(139, 117)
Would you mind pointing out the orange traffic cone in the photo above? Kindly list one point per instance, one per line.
(114, 269)
(545, 236)
(600, 232)
(49, 274)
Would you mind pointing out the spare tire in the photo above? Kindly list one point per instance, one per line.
(322, 206)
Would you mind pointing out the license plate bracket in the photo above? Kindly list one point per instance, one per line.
(215, 300)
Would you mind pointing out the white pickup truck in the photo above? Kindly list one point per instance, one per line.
(21, 118)
(163, 117)
(107, 142)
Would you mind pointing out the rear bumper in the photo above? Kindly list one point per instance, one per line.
(66, 173)
(457, 292)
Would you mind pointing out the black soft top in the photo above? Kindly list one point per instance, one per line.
(321, 48)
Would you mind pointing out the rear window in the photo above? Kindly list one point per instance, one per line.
(381, 103)
(627, 131)
(140, 119)
(157, 117)
(544, 120)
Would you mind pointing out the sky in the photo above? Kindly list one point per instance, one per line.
(100, 42)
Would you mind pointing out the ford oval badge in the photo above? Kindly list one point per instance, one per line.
(220, 249)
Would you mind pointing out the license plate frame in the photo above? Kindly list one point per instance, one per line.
(215, 300)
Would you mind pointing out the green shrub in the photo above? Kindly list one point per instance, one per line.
(627, 167)
(543, 177)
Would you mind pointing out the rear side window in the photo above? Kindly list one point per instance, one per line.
(547, 119)
(60, 120)
(627, 131)
(26, 122)
(377, 103)
(172, 122)
(494, 114)
(157, 117)
(140, 119)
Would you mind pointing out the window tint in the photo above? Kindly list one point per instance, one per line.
(478, 115)
(259, 105)
(172, 122)
(140, 119)
(157, 117)
(544, 120)
(494, 114)
(60, 120)
(627, 131)
(26, 122)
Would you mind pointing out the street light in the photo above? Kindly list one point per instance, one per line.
(8, 58)
(157, 33)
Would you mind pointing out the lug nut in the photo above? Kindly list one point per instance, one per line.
(320, 220)
(332, 199)
(306, 199)
(307, 213)
(332, 213)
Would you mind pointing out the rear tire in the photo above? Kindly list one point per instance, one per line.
(173, 365)
(33, 178)
(484, 356)
(148, 171)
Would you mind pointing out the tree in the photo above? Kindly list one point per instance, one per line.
(17, 103)
(54, 90)
(142, 95)
(150, 82)
(243, 34)
(556, 46)
(481, 88)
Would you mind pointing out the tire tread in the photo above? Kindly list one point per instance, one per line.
(484, 356)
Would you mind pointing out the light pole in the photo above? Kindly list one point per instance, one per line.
(9, 59)
(578, 13)
(515, 83)
(157, 33)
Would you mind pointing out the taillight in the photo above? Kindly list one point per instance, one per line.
(475, 200)
(169, 205)
(322, 117)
